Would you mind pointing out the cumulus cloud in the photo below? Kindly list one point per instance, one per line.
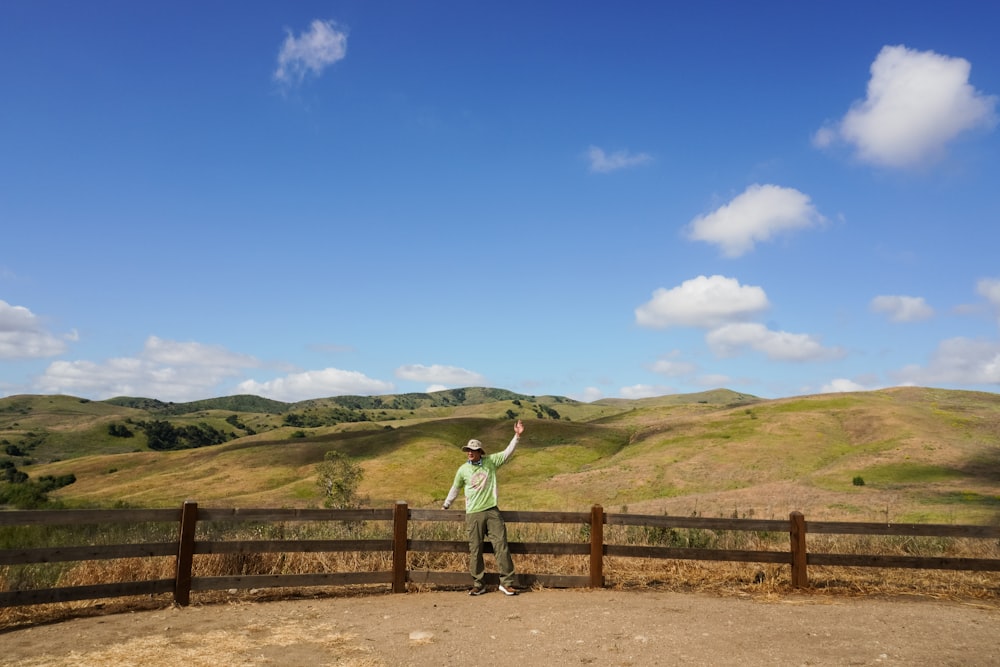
(588, 395)
(645, 391)
(316, 384)
(758, 214)
(175, 353)
(602, 163)
(916, 103)
(22, 335)
(960, 361)
(440, 377)
(671, 365)
(166, 370)
(842, 385)
(673, 368)
(701, 302)
(311, 52)
(731, 339)
(902, 308)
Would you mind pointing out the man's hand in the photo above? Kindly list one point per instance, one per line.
(518, 428)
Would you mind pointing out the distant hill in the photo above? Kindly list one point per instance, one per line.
(901, 454)
(241, 403)
(250, 403)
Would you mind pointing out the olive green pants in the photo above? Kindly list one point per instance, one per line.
(488, 524)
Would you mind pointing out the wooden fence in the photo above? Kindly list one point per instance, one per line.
(186, 547)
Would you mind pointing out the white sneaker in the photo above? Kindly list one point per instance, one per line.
(508, 590)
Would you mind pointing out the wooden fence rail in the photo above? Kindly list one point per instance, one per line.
(190, 517)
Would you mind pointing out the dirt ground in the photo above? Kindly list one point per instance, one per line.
(548, 627)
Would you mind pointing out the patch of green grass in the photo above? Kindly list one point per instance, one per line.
(969, 498)
(812, 404)
(890, 474)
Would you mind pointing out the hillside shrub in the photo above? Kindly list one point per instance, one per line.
(163, 436)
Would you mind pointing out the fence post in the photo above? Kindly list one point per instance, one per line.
(185, 553)
(797, 533)
(400, 514)
(597, 547)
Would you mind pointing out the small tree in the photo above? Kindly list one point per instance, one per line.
(339, 478)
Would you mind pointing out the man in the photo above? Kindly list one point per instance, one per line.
(478, 477)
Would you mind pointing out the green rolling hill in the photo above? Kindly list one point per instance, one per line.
(902, 455)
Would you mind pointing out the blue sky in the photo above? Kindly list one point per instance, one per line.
(588, 199)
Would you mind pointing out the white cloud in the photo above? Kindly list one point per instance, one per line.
(588, 395)
(22, 335)
(825, 136)
(902, 308)
(841, 385)
(311, 52)
(442, 377)
(670, 366)
(645, 391)
(602, 163)
(990, 289)
(731, 339)
(166, 370)
(960, 361)
(701, 302)
(759, 213)
(170, 352)
(316, 384)
(917, 102)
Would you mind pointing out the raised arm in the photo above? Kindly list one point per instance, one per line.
(518, 430)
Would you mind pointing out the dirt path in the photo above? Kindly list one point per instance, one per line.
(535, 628)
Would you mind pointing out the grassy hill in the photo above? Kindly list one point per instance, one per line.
(899, 455)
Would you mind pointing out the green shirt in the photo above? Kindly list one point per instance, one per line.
(480, 481)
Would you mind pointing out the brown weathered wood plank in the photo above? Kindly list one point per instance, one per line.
(797, 537)
(913, 529)
(662, 521)
(456, 579)
(185, 553)
(98, 552)
(684, 553)
(288, 514)
(290, 580)
(400, 515)
(514, 516)
(523, 548)
(202, 547)
(597, 547)
(910, 562)
(91, 592)
(76, 517)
